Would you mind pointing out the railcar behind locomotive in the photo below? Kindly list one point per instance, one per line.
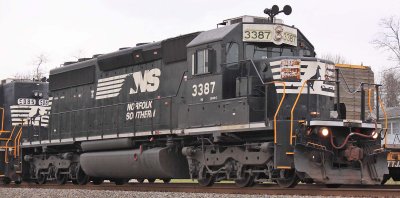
(24, 116)
(247, 102)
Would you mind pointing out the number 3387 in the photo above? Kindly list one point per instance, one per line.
(203, 89)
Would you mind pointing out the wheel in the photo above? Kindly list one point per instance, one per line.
(81, 177)
(6, 180)
(166, 181)
(207, 179)
(140, 180)
(246, 179)
(74, 182)
(61, 178)
(289, 180)
(97, 181)
(151, 180)
(41, 178)
(18, 180)
(333, 185)
(121, 181)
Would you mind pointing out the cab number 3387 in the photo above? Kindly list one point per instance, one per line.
(203, 88)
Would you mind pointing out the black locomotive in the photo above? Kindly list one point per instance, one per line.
(247, 102)
(24, 110)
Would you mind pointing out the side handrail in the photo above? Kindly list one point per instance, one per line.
(369, 101)
(6, 147)
(279, 107)
(280, 102)
(386, 120)
(2, 120)
(295, 104)
(16, 142)
(292, 111)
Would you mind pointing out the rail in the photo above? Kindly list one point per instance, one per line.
(7, 147)
(2, 121)
(386, 120)
(292, 111)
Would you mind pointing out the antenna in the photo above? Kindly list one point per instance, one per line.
(275, 11)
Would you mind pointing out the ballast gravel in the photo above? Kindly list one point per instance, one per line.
(69, 193)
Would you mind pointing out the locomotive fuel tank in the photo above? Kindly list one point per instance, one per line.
(154, 163)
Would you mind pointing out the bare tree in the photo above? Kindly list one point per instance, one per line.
(337, 58)
(37, 73)
(391, 88)
(40, 60)
(389, 40)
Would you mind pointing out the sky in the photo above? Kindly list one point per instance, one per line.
(65, 29)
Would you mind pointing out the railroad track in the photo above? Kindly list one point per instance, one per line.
(262, 189)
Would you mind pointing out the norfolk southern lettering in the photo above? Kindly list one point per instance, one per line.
(140, 110)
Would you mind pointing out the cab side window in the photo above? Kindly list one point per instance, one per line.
(232, 52)
(200, 62)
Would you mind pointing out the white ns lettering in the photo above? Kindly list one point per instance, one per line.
(147, 82)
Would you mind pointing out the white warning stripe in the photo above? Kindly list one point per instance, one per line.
(107, 96)
(109, 87)
(27, 119)
(20, 110)
(108, 92)
(112, 78)
(110, 83)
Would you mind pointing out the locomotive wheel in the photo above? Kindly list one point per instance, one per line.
(61, 178)
(290, 179)
(151, 180)
(140, 180)
(121, 181)
(245, 181)
(207, 180)
(74, 182)
(81, 177)
(6, 180)
(97, 181)
(18, 180)
(166, 181)
(41, 178)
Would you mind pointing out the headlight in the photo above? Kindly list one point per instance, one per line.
(324, 131)
(374, 134)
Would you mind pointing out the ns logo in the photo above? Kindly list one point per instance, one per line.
(146, 82)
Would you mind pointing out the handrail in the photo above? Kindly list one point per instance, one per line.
(386, 121)
(279, 107)
(2, 119)
(6, 148)
(369, 101)
(291, 112)
(280, 102)
(16, 142)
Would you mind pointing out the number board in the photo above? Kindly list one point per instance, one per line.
(277, 34)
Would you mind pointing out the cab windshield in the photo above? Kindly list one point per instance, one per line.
(263, 50)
